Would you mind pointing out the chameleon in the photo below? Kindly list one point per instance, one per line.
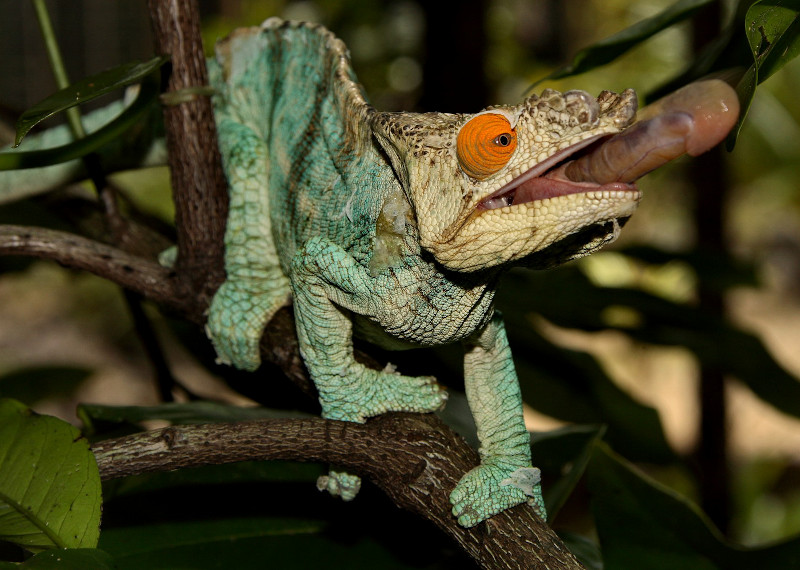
(395, 227)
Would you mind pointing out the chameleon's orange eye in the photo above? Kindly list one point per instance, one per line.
(485, 144)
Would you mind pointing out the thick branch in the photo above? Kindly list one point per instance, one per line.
(413, 458)
(199, 189)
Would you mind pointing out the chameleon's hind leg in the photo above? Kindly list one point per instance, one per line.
(327, 285)
(255, 287)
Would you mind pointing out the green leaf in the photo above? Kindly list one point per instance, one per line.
(14, 160)
(772, 28)
(70, 559)
(49, 483)
(607, 50)
(773, 31)
(86, 90)
(643, 524)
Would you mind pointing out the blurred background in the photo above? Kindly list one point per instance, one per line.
(727, 247)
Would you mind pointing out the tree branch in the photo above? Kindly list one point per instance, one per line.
(135, 273)
(415, 459)
(199, 188)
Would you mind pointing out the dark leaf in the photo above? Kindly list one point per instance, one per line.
(571, 386)
(564, 453)
(252, 543)
(86, 90)
(607, 50)
(13, 160)
(585, 550)
(260, 472)
(715, 270)
(30, 385)
(734, 352)
(642, 524)
(70, 559)
(578, 304)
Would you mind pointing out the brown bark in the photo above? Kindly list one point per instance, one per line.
(413, 458)
(135, 273)
(199, 189)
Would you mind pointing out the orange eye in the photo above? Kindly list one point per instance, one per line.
(485, 144)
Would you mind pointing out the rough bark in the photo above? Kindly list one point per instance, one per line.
(413, 458)
(201, 202)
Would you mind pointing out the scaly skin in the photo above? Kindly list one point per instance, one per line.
(368, 222)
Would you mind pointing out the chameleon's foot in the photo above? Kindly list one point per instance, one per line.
(489, 489)
(366, 393)
(236, 320)
(340, 484)
(399, 393)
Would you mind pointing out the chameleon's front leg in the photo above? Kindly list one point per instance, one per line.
(505, 476)
(327, 285)
(255, 287)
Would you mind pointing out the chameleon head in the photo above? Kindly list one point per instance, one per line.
(480, 185)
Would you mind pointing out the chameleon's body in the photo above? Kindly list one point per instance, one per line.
(355, 215)
(395, 227)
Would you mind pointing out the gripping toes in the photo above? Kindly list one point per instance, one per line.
(340, 484)
(236, 320)
(370, 393)
(489, 489)
(410, 393)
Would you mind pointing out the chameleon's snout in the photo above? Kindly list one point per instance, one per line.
(689, 121)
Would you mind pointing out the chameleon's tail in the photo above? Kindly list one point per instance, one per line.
(142, 145)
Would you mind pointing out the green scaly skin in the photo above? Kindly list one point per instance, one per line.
(365, 220)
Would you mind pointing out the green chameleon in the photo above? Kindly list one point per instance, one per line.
(396, 227)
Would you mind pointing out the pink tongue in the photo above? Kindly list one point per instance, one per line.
(689, 121)
(550, 186)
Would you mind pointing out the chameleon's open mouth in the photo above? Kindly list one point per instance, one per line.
(548, 179)
(689, 121)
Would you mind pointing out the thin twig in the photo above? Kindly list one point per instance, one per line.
(140, 275)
